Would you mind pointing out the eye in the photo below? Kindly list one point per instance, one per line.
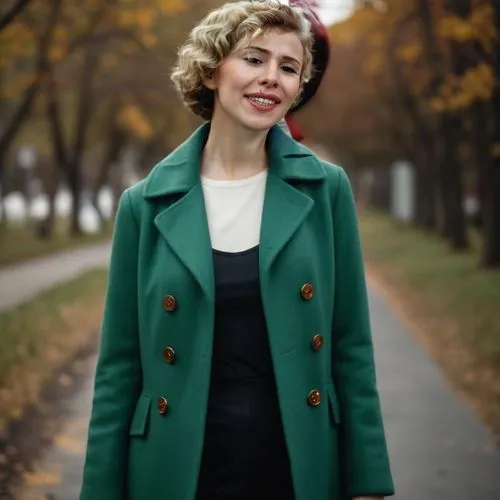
(253, 60)
(289, 69)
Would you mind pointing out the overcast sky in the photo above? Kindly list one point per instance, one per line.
(332, 11)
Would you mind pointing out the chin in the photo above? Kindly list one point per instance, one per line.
(260, 125)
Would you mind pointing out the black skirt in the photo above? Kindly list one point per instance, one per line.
(245, 455)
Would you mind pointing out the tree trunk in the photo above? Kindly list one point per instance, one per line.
(3, 213)
(425, 189)
(114, 144)
(51, 182)
(424, 142)
(75, 186)
(70, 160)
(454, 228)
(490, 208)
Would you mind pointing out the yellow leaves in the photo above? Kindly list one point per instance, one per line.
(171, 6)
(143, 16)
(133, 119)
(483, 22)
(458, 94)
(455, 28)
(480, 26)
(479, 82)
(409, 52)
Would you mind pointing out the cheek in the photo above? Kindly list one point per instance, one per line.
(293, 89)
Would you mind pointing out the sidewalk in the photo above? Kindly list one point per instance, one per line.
(21, 282)
(439, 448)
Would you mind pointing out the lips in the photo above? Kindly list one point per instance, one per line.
(264, 98)
(263, 102)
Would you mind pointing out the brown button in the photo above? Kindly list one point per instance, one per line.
(317, 342)
(168, 355)
(307, 291)
(169, 303)
(162, 406)
(314, 397)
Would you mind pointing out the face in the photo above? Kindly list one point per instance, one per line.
(259, 81)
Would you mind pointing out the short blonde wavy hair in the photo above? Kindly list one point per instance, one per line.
(215, 37)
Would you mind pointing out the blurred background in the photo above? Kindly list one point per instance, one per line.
(409, 105)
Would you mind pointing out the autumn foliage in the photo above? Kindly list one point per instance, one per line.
(419, 80)
(87, 83)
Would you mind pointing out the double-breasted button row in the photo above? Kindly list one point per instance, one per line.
(169, 355)
(307, 293)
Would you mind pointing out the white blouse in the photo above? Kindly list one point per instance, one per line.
(234, 211)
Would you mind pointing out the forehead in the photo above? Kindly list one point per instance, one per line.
(276, 41)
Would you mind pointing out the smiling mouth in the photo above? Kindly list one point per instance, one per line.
(263, 101)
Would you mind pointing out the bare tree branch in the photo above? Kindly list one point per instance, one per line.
(31, 92)
(11, 14)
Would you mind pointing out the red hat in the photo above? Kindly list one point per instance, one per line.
(321, 50)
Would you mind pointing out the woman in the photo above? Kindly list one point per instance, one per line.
(236, 358)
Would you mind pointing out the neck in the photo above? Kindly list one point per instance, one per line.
(233, 152)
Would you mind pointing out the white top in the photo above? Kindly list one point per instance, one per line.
(234, 211)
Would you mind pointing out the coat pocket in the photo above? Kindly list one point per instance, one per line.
(141, 415)
(334, 403)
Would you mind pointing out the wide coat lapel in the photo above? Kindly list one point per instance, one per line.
(285, 206)
(183, 224)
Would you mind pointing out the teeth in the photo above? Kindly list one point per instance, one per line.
(262, 101)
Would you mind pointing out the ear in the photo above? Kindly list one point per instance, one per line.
(210, 82)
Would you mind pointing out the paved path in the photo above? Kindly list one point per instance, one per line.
(21, 282)
(439, 448)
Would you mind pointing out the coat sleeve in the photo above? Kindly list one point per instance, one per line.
(364, 452)
(118, 374)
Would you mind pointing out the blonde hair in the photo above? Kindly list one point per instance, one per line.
(214, 38)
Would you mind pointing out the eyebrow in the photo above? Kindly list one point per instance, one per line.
(267, 52)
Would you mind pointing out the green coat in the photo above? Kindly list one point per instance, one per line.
(161, 294)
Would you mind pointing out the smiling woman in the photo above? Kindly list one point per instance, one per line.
(236, 359)
(223, 32)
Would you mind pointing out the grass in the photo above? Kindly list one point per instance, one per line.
(41, 335)
(18, 243)
(451, 304)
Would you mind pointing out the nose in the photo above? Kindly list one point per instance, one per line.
(269, 77)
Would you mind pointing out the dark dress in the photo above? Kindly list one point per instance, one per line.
(245, 455)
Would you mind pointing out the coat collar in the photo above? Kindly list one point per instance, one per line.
(180, 171)
(184, 226)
